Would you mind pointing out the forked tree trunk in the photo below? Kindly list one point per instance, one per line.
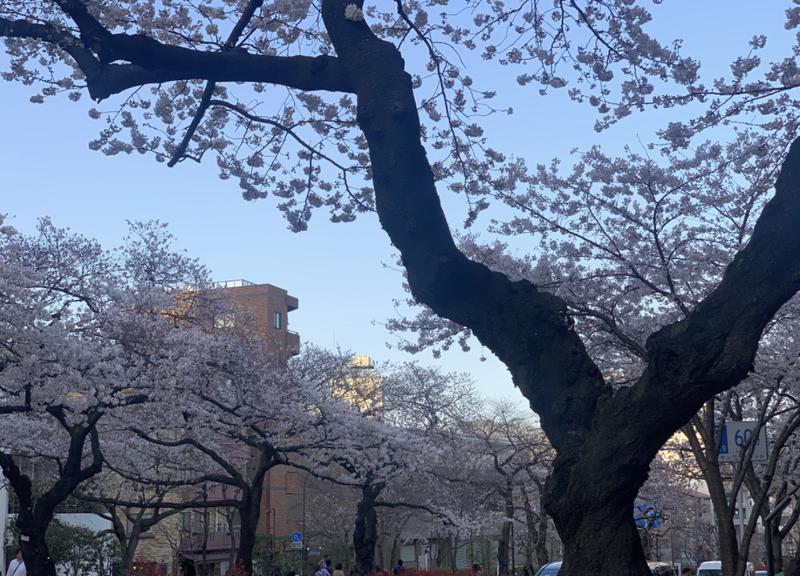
(605, 438)
(530, 330)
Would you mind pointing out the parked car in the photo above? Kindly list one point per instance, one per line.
(711, 568)
(661, 569)
(657, 568)
(549, 569)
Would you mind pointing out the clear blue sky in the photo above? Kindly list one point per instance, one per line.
(336, 271)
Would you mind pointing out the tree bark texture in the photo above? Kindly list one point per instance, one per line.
(504, 544)
(365, 534)
(130, 547)
(249, 512)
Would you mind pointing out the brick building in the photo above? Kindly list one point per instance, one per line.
(266, 309)
(212, 535)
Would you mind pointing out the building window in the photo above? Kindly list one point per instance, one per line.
(225, 321)
(185, 522)
(199, 524)
(293, 484)
(276, 320)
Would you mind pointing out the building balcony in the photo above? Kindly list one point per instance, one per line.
(214, 541)
(292, 343)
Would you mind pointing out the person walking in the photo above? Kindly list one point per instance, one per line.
(323, 569)
(17, 565)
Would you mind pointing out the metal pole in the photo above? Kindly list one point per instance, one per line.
(782, 503)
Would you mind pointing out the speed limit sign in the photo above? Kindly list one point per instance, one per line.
(735, 437)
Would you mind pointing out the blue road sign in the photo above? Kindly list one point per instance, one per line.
(723, 440)
(647, 516)
(297, 536)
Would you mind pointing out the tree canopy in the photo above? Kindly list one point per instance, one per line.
(655, 274)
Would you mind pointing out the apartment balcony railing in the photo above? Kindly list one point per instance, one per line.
(213, 541)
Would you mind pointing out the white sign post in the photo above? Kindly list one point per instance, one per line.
(735, 437)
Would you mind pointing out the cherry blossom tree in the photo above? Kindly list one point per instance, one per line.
(366, 448)
(141, 487)
(241, 413)
(83, 341)
(520, 458)
(452, 478)
(352, 137)
(768, 397)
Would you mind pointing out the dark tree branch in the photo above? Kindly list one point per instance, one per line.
(205, 100)
(208, 92)
(147, 61)
(172, 506)
(235, 479)
(527, 329)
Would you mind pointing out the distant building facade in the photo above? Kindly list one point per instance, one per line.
(266, 309)
(211, 536)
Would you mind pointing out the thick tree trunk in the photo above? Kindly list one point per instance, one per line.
(590, 497)
(36, 552)
(129, 550)
(504, 549)
(365, 535)
(250, 507)
(601, 539)
(249, 511)
(530, 331)
(504, 544)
